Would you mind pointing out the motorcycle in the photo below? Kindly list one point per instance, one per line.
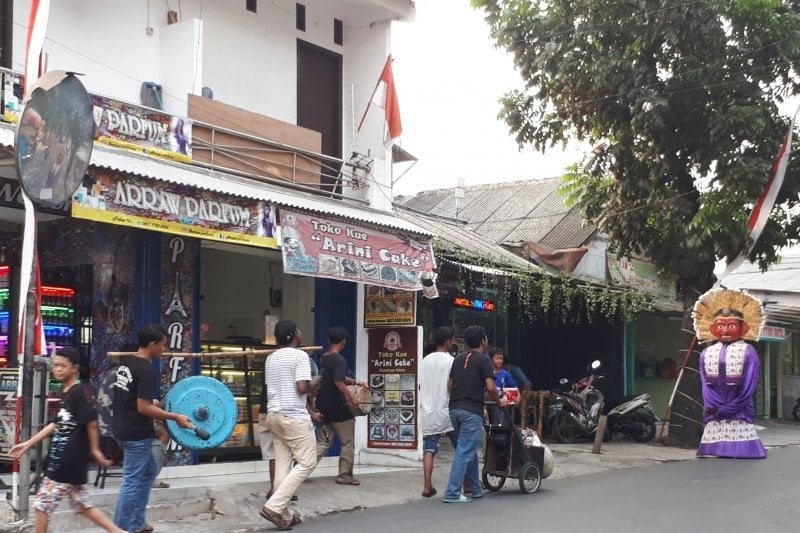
(633, 418)
(575, 414)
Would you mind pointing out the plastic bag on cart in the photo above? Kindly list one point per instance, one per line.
(530, 438)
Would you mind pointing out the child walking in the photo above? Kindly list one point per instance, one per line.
(74, 430)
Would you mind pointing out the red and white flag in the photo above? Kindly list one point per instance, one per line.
(385, 97)
(760, 214)
(37, 28)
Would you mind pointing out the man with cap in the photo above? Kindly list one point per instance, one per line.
(288, 384)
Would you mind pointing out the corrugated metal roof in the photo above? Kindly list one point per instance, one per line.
(778, 288)
(781, 277)
(513, 211)
(459, 235)
(201, 178)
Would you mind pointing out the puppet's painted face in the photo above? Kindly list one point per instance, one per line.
(728, 329)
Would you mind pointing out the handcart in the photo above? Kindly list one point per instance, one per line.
(506, 455)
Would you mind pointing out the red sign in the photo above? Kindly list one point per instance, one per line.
(392, 363)
(324, 248)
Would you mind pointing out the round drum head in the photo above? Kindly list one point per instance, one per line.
(55, 136)
(209, 404)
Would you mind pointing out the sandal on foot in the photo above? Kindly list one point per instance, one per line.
(428, 494)
(276, 519)
(347, 481)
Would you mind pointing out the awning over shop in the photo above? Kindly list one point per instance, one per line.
(201, 178)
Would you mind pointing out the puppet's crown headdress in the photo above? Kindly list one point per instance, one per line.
(714, 303)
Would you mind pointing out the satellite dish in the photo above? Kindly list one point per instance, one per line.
(54, 138)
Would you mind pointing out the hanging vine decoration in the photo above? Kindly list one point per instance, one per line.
(536, 295)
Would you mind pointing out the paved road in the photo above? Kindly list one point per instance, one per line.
(709, 495)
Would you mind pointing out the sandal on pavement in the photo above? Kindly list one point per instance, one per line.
(276, 519)
(147, 528)
(428, 494)
(461, 499)
(296, 521)
(159, 484)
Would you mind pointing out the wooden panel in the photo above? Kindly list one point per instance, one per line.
(248, 155)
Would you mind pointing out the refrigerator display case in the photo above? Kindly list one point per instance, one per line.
(244, 376)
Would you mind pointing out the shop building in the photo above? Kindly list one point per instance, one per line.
(560, 308)
(209, 151)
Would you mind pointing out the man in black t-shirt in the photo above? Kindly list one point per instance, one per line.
(74, 431)
(470, 375)
(334, 401)
(134, 412)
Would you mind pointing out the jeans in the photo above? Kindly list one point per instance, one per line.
(346, 432)
(468, 427)
(138, 474)
(293, 439)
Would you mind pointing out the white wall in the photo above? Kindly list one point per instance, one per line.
(248, 59)
(593, 264)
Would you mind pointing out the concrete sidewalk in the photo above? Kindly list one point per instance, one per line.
(231, 502)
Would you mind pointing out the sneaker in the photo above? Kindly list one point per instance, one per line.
(461, 499)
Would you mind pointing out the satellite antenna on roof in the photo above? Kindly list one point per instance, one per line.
(459, 194)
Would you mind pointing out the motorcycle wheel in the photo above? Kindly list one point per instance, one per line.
(493, 482)
(796, 411)
(564, 427)
(530, 478)
(647, 426)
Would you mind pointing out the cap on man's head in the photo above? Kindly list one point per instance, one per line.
(285, 331)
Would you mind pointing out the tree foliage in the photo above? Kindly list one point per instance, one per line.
(681, 98)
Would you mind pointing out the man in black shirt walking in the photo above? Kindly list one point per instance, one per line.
(334, 401)
(470, 375)
(134, 413)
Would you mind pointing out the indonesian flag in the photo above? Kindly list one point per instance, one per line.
(37, 27)
(385, 97)
(760, 214)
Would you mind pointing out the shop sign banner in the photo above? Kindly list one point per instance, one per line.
(169, 208)
(320, 247)
(392, 363)
(389, 307)
(142, 130)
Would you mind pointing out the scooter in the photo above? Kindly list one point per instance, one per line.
(633, 418)
(575, 414)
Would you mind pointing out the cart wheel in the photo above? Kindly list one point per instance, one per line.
(530, 478)
(493, 482)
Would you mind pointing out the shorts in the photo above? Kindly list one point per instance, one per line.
(51, 492)
(430, 443)
(265, 438)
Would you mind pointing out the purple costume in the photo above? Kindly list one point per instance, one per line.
(729, 376)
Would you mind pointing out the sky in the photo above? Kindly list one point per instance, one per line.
(449, 78)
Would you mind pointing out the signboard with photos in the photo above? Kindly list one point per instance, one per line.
(322, 247)
(389, 307)
(392, 363)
